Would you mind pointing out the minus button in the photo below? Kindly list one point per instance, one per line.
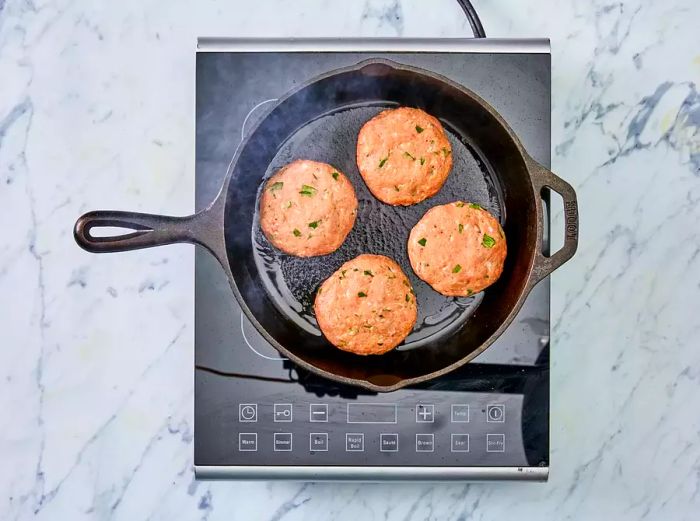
(318, 412)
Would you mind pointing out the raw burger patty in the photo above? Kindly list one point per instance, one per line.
(403, 156)
(457, 248)
(367, 307)
(307, 208)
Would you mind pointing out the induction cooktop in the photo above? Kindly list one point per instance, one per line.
(257, 415)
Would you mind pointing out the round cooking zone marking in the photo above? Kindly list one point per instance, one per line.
(264, 345)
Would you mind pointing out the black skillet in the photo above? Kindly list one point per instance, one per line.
(320, 121)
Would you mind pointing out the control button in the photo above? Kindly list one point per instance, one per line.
(495, 443)
(460, 443)
(425, 443)
(247, 412)
(283, 441)
(496, 413)
(425, 413)
(282, 412)
(318, 441)
(389, 442)
(318, 412)
(247, 441)
(460, 413)
(354, 442)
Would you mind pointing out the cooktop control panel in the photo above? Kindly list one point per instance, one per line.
(440, 429)
(274, 423)
(380, 432)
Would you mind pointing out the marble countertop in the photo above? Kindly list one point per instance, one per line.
(96, 352)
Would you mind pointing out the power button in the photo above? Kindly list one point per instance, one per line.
(496, 413)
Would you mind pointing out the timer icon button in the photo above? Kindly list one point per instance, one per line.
(247, 412)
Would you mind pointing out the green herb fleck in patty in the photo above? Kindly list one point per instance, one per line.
(488, 241)
(307, 190)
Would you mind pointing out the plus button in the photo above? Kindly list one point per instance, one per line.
(425, 413)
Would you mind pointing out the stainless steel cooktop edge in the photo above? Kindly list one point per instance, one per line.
(471, 45)
(367, 474)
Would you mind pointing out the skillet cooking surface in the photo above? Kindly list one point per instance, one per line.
(291, 282)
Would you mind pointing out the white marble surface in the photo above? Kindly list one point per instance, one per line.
(96, 111)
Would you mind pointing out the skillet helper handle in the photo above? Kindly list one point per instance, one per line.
(147, 230)
(542, 177)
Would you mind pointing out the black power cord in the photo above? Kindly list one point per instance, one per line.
(474, 21)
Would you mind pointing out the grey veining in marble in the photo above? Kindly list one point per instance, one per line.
(96, 111)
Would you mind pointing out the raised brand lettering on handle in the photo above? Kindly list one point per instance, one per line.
(571, 211)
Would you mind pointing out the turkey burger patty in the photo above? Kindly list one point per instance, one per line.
(367, 307)
(307, 208)
(458, 248)
(403, 155)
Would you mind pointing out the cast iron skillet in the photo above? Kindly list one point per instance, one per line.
(320, 121)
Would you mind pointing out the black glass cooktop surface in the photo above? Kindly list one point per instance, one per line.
(256, 409)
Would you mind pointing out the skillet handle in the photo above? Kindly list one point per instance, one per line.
(147, 230)
(542, 177)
